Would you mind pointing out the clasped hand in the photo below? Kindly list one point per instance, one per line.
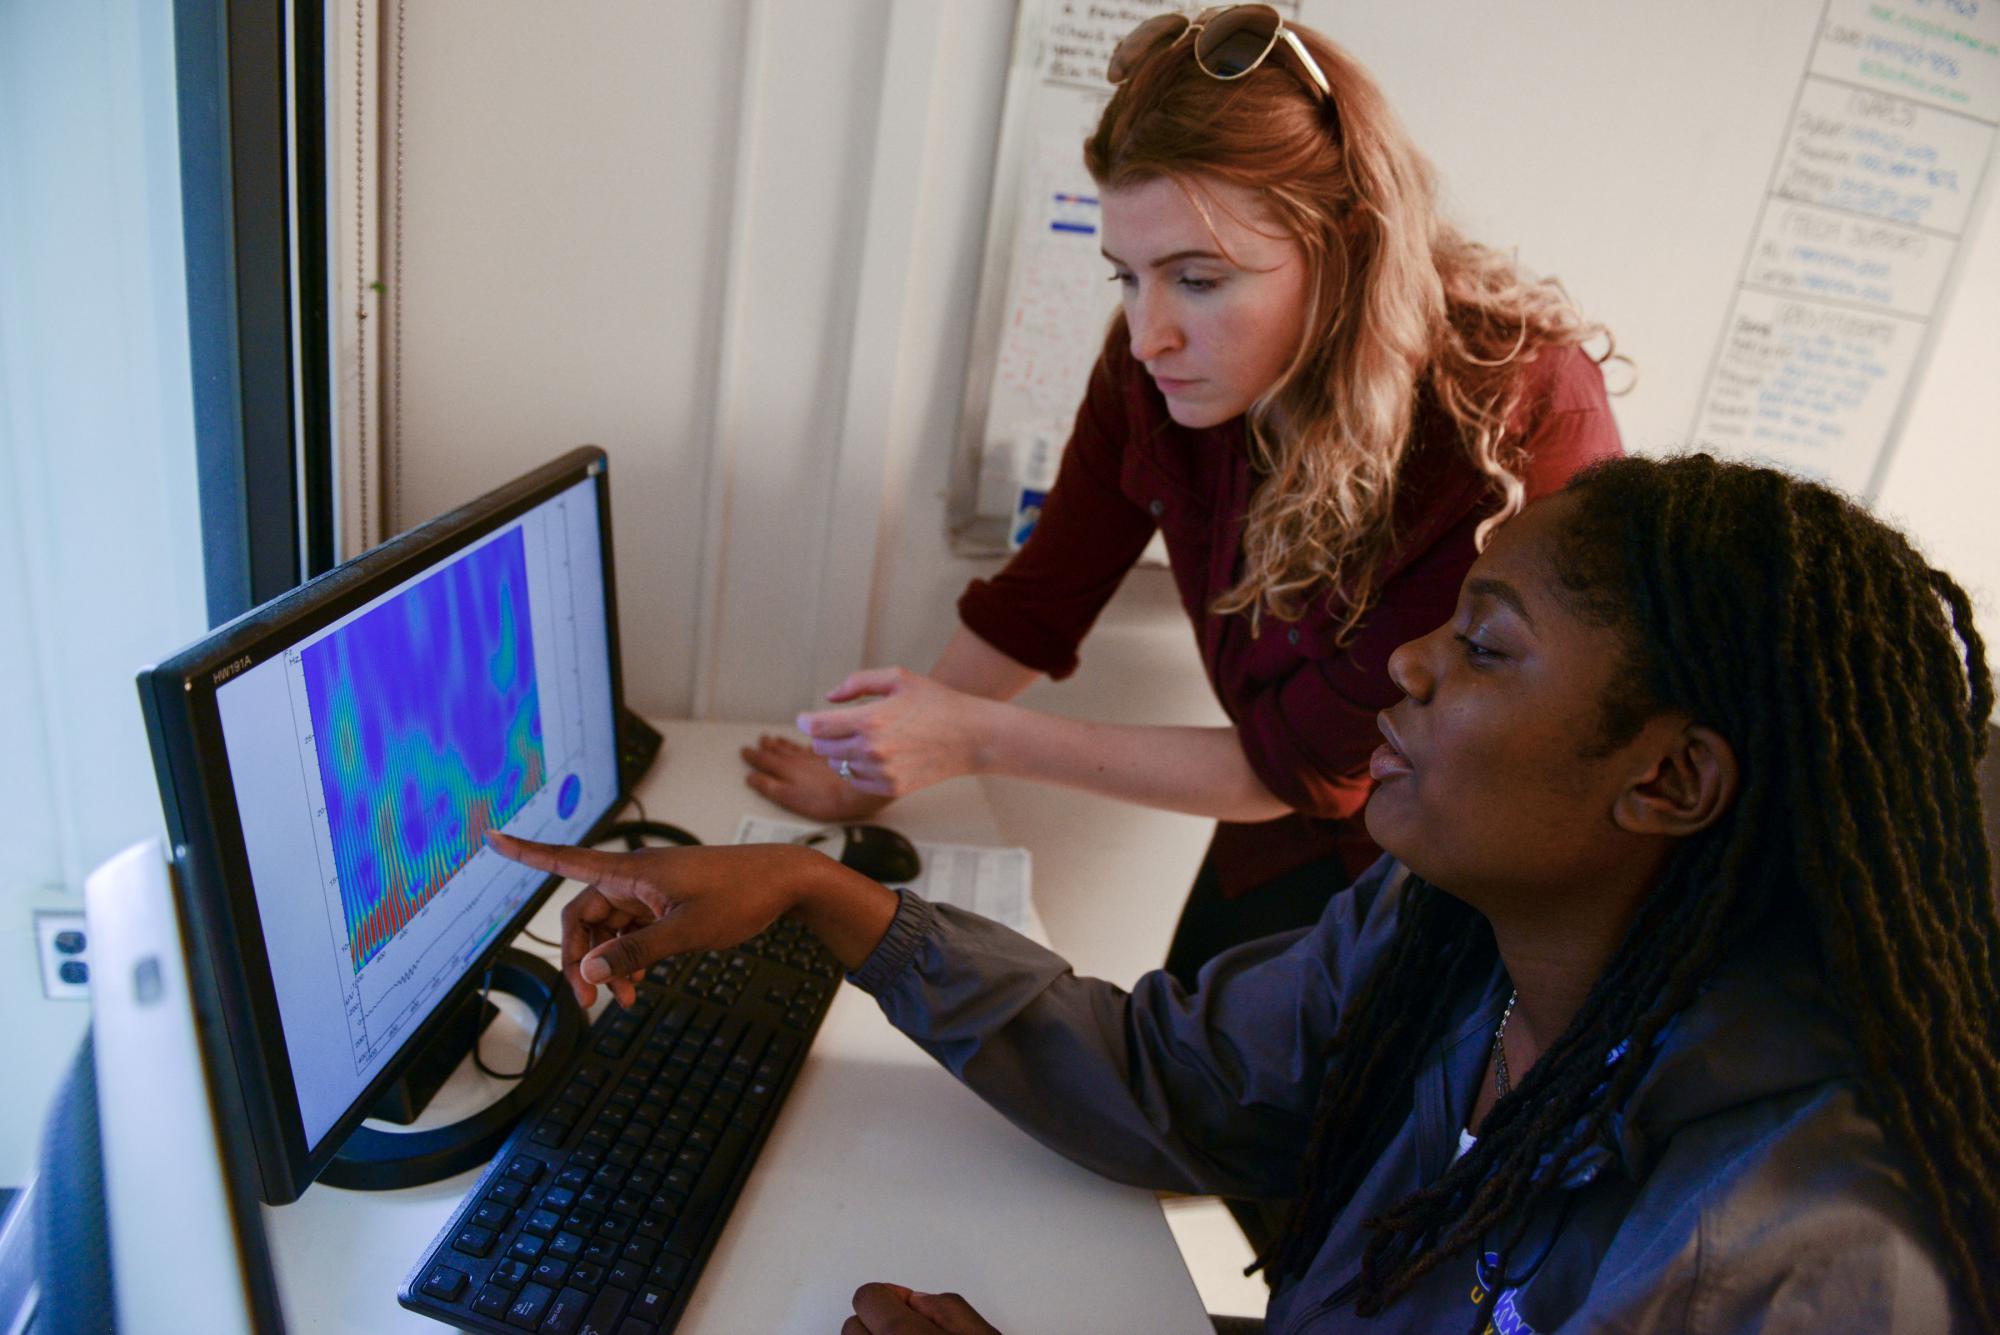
(914, 733)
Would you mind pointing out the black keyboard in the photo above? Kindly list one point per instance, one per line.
(602, 1207)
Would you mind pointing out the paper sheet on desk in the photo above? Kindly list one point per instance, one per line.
(992, 882)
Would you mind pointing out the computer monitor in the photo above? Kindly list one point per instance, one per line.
(329, 763)
(187, 1244)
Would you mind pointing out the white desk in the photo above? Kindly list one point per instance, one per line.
(881, 1165)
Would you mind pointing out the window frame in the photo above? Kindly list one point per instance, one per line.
(250, 86)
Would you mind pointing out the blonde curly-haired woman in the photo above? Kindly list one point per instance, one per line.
(1323, 396)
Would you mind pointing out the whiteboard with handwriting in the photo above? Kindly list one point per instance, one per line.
(1765, 204)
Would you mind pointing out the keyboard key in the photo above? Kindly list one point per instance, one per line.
(671, 1270)
(473, 1240)
(528, 1306)
(633, 1326)
(708, 1194)
(525, 1168)
(627, 1275)
(586, 1276)
(601, 1251)
(492, 1301)
(527, 1248)
(507, 1191)
(651, 1304)
(606, 1312)
(566, 1312)
(566, 1246)
(542, 1222)
(444, 1283)
(558, 1198)
(551, 1272)
(492, 1214)
(510, 1274)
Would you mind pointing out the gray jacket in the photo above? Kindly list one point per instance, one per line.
(1743, 1189)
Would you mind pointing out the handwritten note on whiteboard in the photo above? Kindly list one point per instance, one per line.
(1058, 304)
(1891, 134)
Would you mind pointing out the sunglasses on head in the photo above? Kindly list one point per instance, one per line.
(1229, 42)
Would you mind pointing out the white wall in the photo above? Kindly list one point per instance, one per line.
(738, 246)
(565, 228)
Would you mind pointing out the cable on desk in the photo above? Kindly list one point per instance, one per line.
(534, 1040)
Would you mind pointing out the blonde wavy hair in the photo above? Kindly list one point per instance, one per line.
(1399, 303)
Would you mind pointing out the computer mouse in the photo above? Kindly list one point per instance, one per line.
(880, 854)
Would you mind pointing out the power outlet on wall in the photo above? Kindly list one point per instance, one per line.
(64, 947)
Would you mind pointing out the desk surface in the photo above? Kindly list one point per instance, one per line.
(881, 1165)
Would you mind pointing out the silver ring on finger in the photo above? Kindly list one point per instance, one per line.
(846, 771)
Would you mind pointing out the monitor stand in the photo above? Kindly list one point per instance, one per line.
(375, 1160)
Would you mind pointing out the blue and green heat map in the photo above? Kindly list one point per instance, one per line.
(429, 731)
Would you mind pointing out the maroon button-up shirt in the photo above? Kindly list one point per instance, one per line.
(1303, 706)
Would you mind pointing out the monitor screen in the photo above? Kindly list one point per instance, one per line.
(371, 757)
(331, 762)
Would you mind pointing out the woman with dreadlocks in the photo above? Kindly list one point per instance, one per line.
(1674, 1005)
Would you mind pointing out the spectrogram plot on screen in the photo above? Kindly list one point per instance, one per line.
(428, 727)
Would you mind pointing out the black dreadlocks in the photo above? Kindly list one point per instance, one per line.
(1821, 645)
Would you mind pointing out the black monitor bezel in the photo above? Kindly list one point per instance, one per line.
(198, 794)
